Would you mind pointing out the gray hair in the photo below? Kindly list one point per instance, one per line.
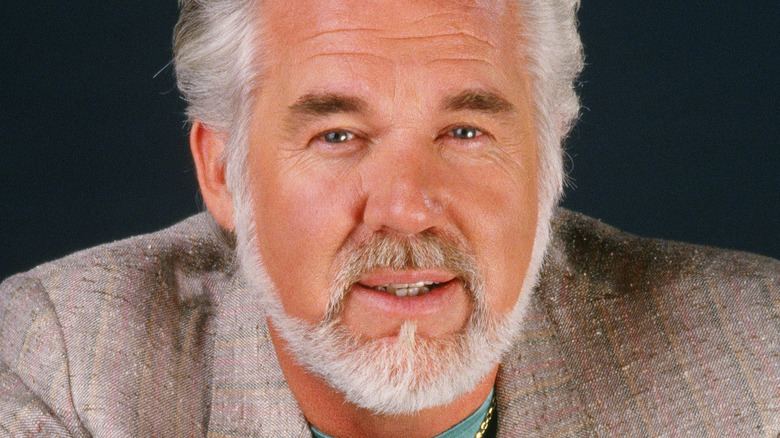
(555, 60)
(217, 59)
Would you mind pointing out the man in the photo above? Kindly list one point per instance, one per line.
(383, 255)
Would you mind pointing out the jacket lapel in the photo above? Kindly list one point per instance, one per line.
(249, 394)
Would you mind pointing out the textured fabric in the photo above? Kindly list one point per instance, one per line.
(157, 336)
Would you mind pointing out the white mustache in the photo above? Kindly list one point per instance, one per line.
(427, 250)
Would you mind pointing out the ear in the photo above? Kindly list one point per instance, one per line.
(207, 148)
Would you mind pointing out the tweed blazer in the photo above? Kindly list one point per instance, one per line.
(157, 336)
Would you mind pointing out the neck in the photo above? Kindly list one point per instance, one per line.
(328, 411)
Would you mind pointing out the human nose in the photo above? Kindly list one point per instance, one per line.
(404, 189)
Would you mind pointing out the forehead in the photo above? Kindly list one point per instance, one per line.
(307, 18)
(398, 31)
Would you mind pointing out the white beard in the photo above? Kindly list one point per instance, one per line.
(394, 375)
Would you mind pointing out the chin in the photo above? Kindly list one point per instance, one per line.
(400, 374)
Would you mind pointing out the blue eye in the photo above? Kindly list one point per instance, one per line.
(337, 136)
(465, 132)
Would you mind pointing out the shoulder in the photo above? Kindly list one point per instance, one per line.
(656, 331)
(130, 270)
(585, 248)
(140, 305)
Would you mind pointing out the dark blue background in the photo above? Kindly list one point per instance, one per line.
(678, 138)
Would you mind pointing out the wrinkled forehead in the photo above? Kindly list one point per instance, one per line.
(350, 24)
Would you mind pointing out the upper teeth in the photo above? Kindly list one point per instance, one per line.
(407, 289)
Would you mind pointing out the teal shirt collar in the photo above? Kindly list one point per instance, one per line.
(465, 429)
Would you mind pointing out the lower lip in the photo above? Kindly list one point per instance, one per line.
(438, 300)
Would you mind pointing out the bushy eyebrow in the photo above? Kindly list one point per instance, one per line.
(316, 105)
(478, 100)
(323, 104)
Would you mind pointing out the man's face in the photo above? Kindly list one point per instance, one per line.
(394, 118)
(402, 121)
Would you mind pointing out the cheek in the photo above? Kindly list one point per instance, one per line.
(301, 222)
(513, 255)
(502, 220)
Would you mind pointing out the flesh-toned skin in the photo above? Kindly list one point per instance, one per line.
(433, 104)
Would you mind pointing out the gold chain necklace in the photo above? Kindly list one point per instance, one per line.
(486, 422)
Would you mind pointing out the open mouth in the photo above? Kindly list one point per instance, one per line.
(408, 289)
